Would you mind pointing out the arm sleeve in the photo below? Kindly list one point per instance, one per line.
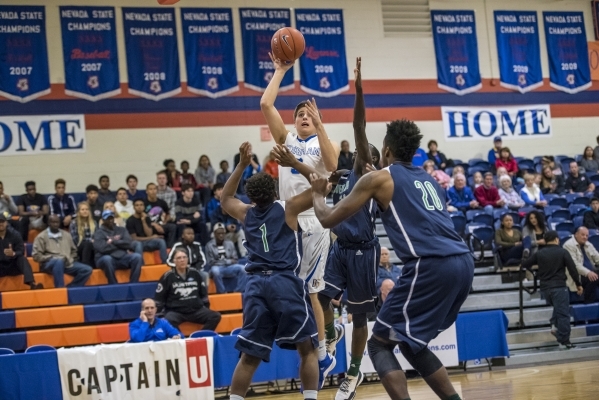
(571, 266)
(170, 259)
(51, 204)
(39, 249)
(526, 199)
(138, 330)
(171, 330)
(161, 294)
(499, 241)
(530, 261)
(74, 232)
(589, 221)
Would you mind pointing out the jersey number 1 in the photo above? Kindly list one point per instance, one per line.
(427, 190)
(264, 241)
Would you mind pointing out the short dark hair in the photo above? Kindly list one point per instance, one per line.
(223, 161)
(217, 186)
(59, 181)
(91, 188)
(150, 184)
(374, 152)
(592, 200)
(161, 173)
(131, 176)
(487, 174)
(121, 188)
(167, 162)
(301, 105)
(403, 139)
(186, 186)
(260, 188)
(138, 200)
(29, 183)
(184, 162)
(550, 236)
(102, 177)
(431, 142)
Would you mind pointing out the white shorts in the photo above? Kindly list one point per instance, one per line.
(315, 242)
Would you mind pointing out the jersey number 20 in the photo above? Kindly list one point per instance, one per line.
(428, 190)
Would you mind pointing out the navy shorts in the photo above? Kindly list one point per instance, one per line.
(276, 308)
(353, 267)
(425, 300)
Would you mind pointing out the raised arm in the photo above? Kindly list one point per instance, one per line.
(328, 150)
(267, 102)
(233, 206)
(285, 158)
(363, 149)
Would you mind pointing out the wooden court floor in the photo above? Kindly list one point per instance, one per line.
(571, 381)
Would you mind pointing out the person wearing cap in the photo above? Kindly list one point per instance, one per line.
(115, 249)
(494, 153)
(12, 255)
(221, 258)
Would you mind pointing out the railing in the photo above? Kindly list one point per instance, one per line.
(531, 291)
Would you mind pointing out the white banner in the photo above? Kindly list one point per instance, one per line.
(444, 346)
(482, 123)
(42, 134)
(150, 371)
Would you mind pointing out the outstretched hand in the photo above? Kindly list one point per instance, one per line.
(245, 154)
(358, 73)
(278, 64)
(312, 110)
(283, 156)
(320, 185)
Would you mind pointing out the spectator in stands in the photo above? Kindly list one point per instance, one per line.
(91, 193)
(234, 229)
(104, 193)
(596, 150)
(118, 221)
(533, 232)
(163, 192)
(205, 177)
(271, 167)
(458, 169)
(507, 161)
(221, 258)
(9, 208)
(345, 160)
(33, 208)
(577, 182)
(494, 152)
(172, 175)
(501, 171)
(419, 158)
(115, 250)
(224, 174)
(132, 192)
(143, 233)
(531, 194)
(56, 254)
(591, 217)
(461, 196)
(586, 259)
(487, 195)
(160, 215)
(197, 259)
(441, 177)
(149, 328)
(477, 180)
(510, 240)
(123, 206)
(62, 204)
(588, 162)
(508, 194)
(251, 169)
(549, 161)
(82, 231)
(185, 177)
(189, 214)
(436, 156)
(12, 255)
(551, 183)
(388, 274)
(214, 202)
(554, 262)
(182, 296)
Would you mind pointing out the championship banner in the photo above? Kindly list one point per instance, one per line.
(444, 346)
(456, 49)
(91, 65)
(257, 27)
(567, 51)
(323, 66)
(155, 370)
(41, 134)
(594, 60)
(482, 123)
(152, 55)
(517, 35)
(209, 51)
(24, 72)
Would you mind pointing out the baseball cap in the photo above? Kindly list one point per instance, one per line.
(497, 139)
(218, 225)
(107, 214)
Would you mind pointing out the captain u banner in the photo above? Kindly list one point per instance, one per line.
(24, 72)
(517, 34)
(456, 49)
(257, 27)
(567, 51)
(209, 51)
(323, 66)
(90, 54)
(152, 54)
(171, 369)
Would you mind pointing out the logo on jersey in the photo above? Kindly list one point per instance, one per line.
(184, 292)
(359, 253)
(315, 283)
(159, 288)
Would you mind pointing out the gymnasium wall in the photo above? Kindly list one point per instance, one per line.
(137, 138)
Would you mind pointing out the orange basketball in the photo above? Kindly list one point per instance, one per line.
(288, 44)
(167, 2)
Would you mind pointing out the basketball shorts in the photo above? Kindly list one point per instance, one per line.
(353, 266)
(276, 308)
(315, 243)
(426, 299)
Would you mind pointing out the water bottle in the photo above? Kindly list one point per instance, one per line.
(336, 312)
(344, 315)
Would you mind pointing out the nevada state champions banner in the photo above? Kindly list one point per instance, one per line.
(24, 72)
(209, 51)
(152, 54)
(456, 50)
(323, 66)
(91, 63)
(257, 27)
(517, 34)
(567, 51)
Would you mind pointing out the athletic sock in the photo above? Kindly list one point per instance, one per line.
(322, 349)
(354, 366)
(454, 397)
(310, 394)
(330, 330)
(235, 397)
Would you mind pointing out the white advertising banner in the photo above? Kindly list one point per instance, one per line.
(461, 124)
(42, 134)
(444, 346)
(150, 371)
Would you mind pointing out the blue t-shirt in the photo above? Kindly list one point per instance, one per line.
(419, 158)
(140, 331)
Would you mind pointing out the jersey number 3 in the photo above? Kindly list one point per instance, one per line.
(264, 241)
(428, 192)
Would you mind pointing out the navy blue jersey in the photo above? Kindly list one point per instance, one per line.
(360, 227)
(270, 243)
(417, 221)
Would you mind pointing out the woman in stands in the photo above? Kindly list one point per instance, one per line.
(549, 161)
(551, 183)
(477, 179)
(118, 220)
(507, 161)
(82, 230)
(510, 240)
(588, 162)
(438, 158)
(172, 175)
(205, 177)
(532, 232)
(441, 177)
(508, 194)
(531, 194)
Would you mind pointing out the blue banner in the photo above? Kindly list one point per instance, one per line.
(517, 34)
(257, 27)
(209, 51)
(24, 72)
(152, 54)
(91, 64)
(323, 66)
(567, 51)
(456, 48)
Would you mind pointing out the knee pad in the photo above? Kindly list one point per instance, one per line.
(425, 362)
(325, 301)
(359, 320)
(382, 357)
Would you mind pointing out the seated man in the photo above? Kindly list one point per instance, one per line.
(487, 195)
(235, 232)
(164, 192)
(388, 274)
(56, 253)
(132, 192)
(104, 193)
(9, 208)
(460, 195)
(62, 204)
(197, 259)
(143, 233)
(577, 182)
(33, 208)
(12, 255)
(188, 214)
(586, 258)
(148, 328)
(591, 217)
(124, 206)
(160, 214)
(214, 202)
(182, 296)
(221, 258)
(95, 207)
(114, 250)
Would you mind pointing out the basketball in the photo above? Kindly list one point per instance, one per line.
(167, 2)
(288, 44)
